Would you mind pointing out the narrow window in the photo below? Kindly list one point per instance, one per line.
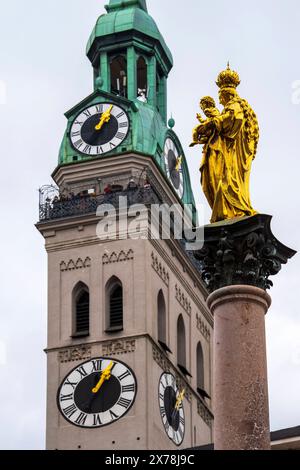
(181, 343)
(118, 75)
(200, 367)
(81, 308)
(114, 305)
(142, 81)
(161, 320)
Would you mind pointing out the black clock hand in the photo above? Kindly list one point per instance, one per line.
(88, 404)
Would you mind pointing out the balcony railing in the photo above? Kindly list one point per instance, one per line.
(84, 205)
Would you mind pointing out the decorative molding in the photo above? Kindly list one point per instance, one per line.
(183, 300)
(203, 328)
(204, 413)
(79, 353)
(160, 269)
(123, 346)
(72, 265)
(160, 359)
(117, 258)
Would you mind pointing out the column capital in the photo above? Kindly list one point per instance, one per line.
(241, 252)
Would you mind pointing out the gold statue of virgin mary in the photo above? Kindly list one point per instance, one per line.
(230, 141)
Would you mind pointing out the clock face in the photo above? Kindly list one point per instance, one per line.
(99, 129)
(173, 162)
(171, 408)
(97, 393)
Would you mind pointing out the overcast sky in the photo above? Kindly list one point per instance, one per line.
(44, 72)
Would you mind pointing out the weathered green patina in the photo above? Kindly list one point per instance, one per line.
(127, 28)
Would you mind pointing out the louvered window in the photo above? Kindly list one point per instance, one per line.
(116, 307)
(83, 313)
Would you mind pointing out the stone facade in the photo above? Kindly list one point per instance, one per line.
(144, 267)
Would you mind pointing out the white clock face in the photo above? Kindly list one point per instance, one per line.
(99, 129)
(97, 393)
(173, 163)
(171, 408)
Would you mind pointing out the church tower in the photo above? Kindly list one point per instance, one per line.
(129, 351)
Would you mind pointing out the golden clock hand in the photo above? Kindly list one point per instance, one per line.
(178, 163)
(104, 118)
(106, 375)
(179, 400)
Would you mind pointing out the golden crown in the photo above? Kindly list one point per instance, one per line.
(228, 79)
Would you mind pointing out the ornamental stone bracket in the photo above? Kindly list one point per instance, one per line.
(183, 300)
(160, 269)
(241, 252)
(117, 257)
(73, 265)
(203, 328)
(118, 347)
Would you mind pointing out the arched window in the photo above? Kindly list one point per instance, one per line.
(81, 310)
(114, 305)
(181, 343)
(142, 78)
(118, 75)
(161, 318)
(200, 367)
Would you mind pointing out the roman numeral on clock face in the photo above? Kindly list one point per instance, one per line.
(82, 372)
(97, 420)
(78, 144)
(70, 410)
(87, 149)
(128, 388)
(162, 411)
(87, 113)
(75, 134)
(97, 365)
(120, 135)
(72, 384)
(123, 376)
(99, 108)
(81, 419)
(124, 402)
(113, 415)
(66, 397)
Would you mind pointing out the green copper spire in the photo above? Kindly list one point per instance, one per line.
(120, 4)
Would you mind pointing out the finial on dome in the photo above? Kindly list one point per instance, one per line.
(171, 122)
(121, 4)
(228, 78)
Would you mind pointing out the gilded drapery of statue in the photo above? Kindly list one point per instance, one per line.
(230, 141)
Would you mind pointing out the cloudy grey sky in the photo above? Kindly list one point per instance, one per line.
(44, 72)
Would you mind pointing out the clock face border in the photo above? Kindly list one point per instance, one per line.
(75, 132)
(81, 364)
(159, 405)
(170, 145)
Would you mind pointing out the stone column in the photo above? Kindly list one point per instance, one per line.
(236, 261)
(240, 368)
